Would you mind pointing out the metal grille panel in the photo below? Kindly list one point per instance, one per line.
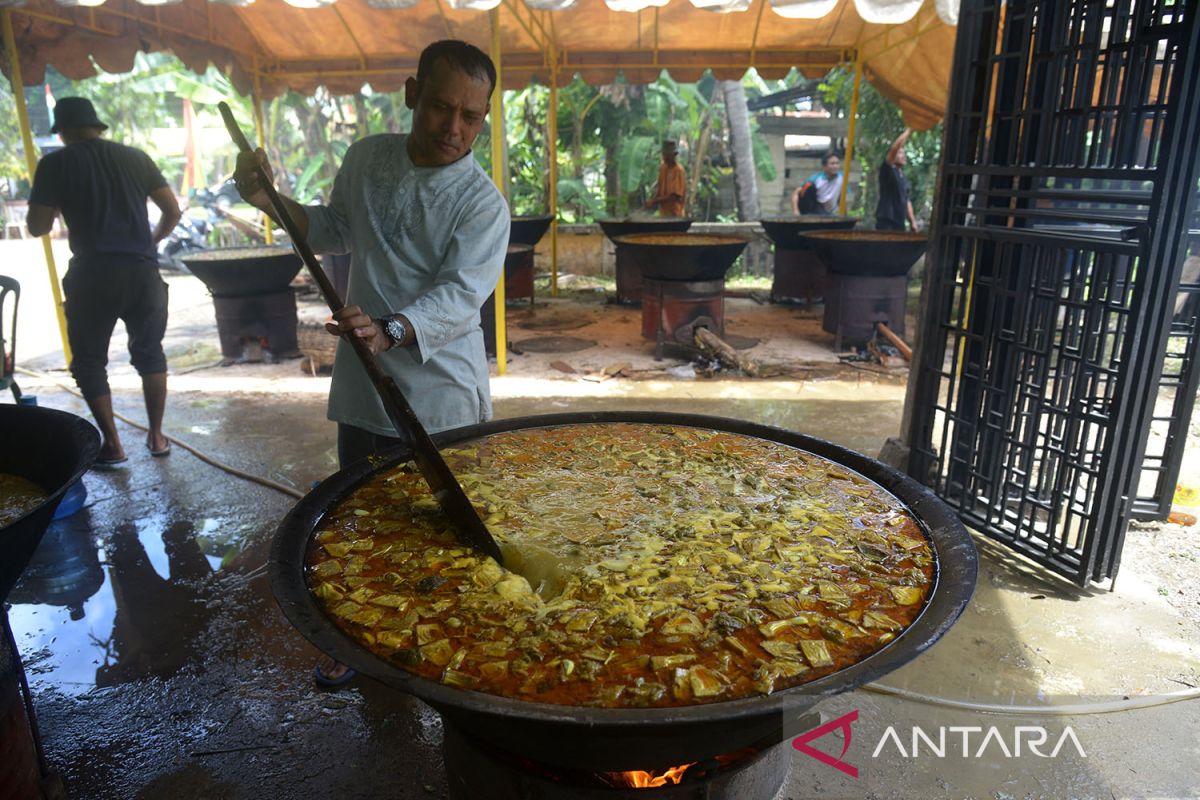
(1067, 186)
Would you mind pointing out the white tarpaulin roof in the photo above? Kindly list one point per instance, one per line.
(905, 46)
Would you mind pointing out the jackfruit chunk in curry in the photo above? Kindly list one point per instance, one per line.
(674, 566)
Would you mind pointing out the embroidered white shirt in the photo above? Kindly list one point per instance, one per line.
(428, 243)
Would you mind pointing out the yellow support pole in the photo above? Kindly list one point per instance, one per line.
(848, 161)
(260, 128)
(552, 155)
(497, 113)
(18, 87)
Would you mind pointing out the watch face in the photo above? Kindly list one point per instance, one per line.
(395, 330)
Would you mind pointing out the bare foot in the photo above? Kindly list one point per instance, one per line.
(157, 443)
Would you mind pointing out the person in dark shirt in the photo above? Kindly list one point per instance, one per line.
(894, 206)
(100, 187)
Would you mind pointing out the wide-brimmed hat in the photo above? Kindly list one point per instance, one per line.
(75, 112)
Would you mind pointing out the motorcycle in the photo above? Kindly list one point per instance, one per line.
(188, 236)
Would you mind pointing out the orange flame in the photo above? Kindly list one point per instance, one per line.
(640, 779)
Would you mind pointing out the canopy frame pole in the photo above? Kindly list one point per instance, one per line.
(848, 161)
(18, 87)
(260, 130)
(497, 112)
(656, 36)
(362, 55)
(540, 41)
(445, 20)
(552, 156)
(886, 32)
(754, 41)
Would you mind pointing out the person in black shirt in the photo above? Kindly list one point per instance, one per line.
(100, 187)
(894, 205)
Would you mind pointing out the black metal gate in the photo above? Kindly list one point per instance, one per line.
(1067, 190)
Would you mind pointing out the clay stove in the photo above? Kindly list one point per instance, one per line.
(799, 275)
(254, 303)
(683, 285)
(868, 280)
(519, 257)
(518, 277)
(476, 768)
(672, 310)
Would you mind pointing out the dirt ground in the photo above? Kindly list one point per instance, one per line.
(583, 334)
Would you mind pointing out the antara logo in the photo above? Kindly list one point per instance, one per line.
(992, 742)
(841, 723)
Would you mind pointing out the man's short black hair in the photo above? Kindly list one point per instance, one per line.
(828, 155)
(460, 55)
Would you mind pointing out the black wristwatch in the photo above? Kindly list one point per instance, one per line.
(395, 329)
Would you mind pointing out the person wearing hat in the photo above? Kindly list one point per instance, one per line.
(671, 188)
(100, 188)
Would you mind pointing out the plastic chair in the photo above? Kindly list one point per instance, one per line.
(8, 339)
(15, 214)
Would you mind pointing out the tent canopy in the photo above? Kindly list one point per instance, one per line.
(905, 49)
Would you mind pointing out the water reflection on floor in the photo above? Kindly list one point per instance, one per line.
(97, 612)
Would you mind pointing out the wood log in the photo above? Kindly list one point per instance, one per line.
(896, 341)
(874, 350)
(714, 346)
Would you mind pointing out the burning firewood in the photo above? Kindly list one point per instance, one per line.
(896, 341)
(713, 346)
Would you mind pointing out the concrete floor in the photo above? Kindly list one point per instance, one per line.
(161, 666)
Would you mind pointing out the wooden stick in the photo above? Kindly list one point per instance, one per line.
(896, 341)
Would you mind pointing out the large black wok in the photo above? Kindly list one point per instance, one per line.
(528, 230)
(875, 253)
(624, 739)
(788, 232)
(243, 271)
(623, 227)
(679, 256)
(51, 448)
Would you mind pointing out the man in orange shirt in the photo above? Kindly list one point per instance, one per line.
(672, 184)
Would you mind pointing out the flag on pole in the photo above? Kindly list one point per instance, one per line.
(190, 165)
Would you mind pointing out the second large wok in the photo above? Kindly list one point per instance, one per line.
(625, 739)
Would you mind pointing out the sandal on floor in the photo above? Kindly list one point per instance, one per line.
(326, 682)
(166, 451)
(104, 463)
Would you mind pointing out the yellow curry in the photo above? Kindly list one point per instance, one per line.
(670, 565)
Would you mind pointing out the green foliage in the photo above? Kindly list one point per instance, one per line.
(763, 163)
(608, 136)
(12, 159)
(577, 202)
(638, 160)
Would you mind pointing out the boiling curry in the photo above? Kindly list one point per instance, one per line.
(670, 565)
(18, 496)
